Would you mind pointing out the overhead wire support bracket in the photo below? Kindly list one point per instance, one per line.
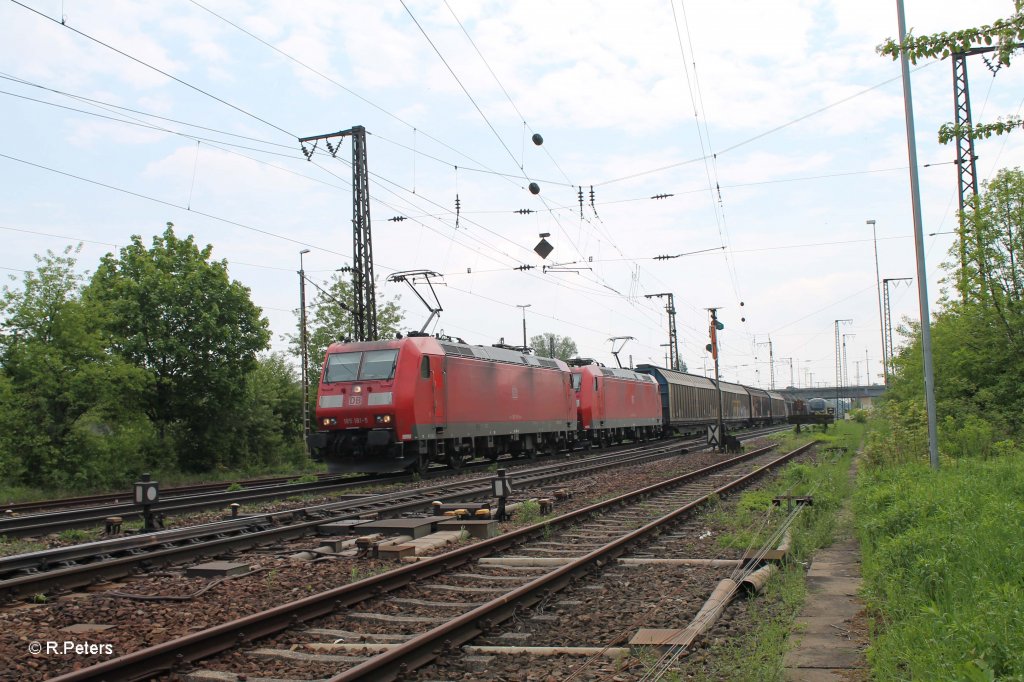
(410, 277)
(571, 266)
(689, 253)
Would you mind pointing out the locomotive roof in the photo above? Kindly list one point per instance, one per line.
(616, 372)
(451, 347)
(498, 355)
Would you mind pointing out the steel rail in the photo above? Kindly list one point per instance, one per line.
(169, 547)
(110, 498)
(422, 649)
(171, 655)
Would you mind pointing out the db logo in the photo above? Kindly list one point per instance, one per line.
(355, 400)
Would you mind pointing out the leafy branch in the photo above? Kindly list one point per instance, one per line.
(949, 131)
(1005, 33)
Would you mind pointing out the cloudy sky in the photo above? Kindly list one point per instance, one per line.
(775, 127)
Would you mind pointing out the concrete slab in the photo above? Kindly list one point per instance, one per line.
(816, 675)
(476, 529)
(344, 527)
(833, 585)
(216, 569)
(828, 656)
(417, 528)
(840, 607)
(85, 628)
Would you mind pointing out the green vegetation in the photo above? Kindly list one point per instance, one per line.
(78, 535)
(1002, 36)
(235, 487)
(156, 362)
(548, 345)
(12, 546)
(528, 512)
(827, 481)
(943, 560)
(944, 568)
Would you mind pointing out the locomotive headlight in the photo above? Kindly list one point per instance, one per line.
(357, 389)
(329, 421)
(383, 418)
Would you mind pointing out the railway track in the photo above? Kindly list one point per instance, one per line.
(177, 501)
(65, 568)
(39, 506)
(33, 525)
(390, 624)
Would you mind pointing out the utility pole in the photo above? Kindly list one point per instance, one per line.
(524, 306)
(771, 361)
(364, 311)
(922, 273)
(790, 361)
(839, 365)
(713, 330)
(846, 376)
(878, 289)
(305, 352)
(673, 342)
(888, 324)
(856, 367)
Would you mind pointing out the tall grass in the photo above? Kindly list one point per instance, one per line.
(943, 564)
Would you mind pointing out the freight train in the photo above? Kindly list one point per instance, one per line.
(409, 402)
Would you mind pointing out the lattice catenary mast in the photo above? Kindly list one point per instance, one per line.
(364, 310)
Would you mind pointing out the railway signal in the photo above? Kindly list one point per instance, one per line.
(147, 493)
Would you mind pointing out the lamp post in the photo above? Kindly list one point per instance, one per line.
(305, 351)
(878, 289)
(524, 307)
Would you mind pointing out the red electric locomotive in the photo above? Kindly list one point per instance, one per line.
(404, 403)
(613, 404)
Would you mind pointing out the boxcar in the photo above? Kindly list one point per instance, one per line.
(779, 405)
(735, 403)
(613, 404)
(404, 403)
(687, 401)
(760, 406)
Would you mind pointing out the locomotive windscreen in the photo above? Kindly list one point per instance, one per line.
(364, 366)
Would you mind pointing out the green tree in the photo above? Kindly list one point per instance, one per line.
(266, 427)
(550, 345)
(174, 312)
(70, 416)
(978, 342)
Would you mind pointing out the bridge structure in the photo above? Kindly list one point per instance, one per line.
(861, 395)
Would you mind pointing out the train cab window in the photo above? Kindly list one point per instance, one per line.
(425, 367)
(378, 364)
(577, 382)
(366, 366)
(342, 367)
